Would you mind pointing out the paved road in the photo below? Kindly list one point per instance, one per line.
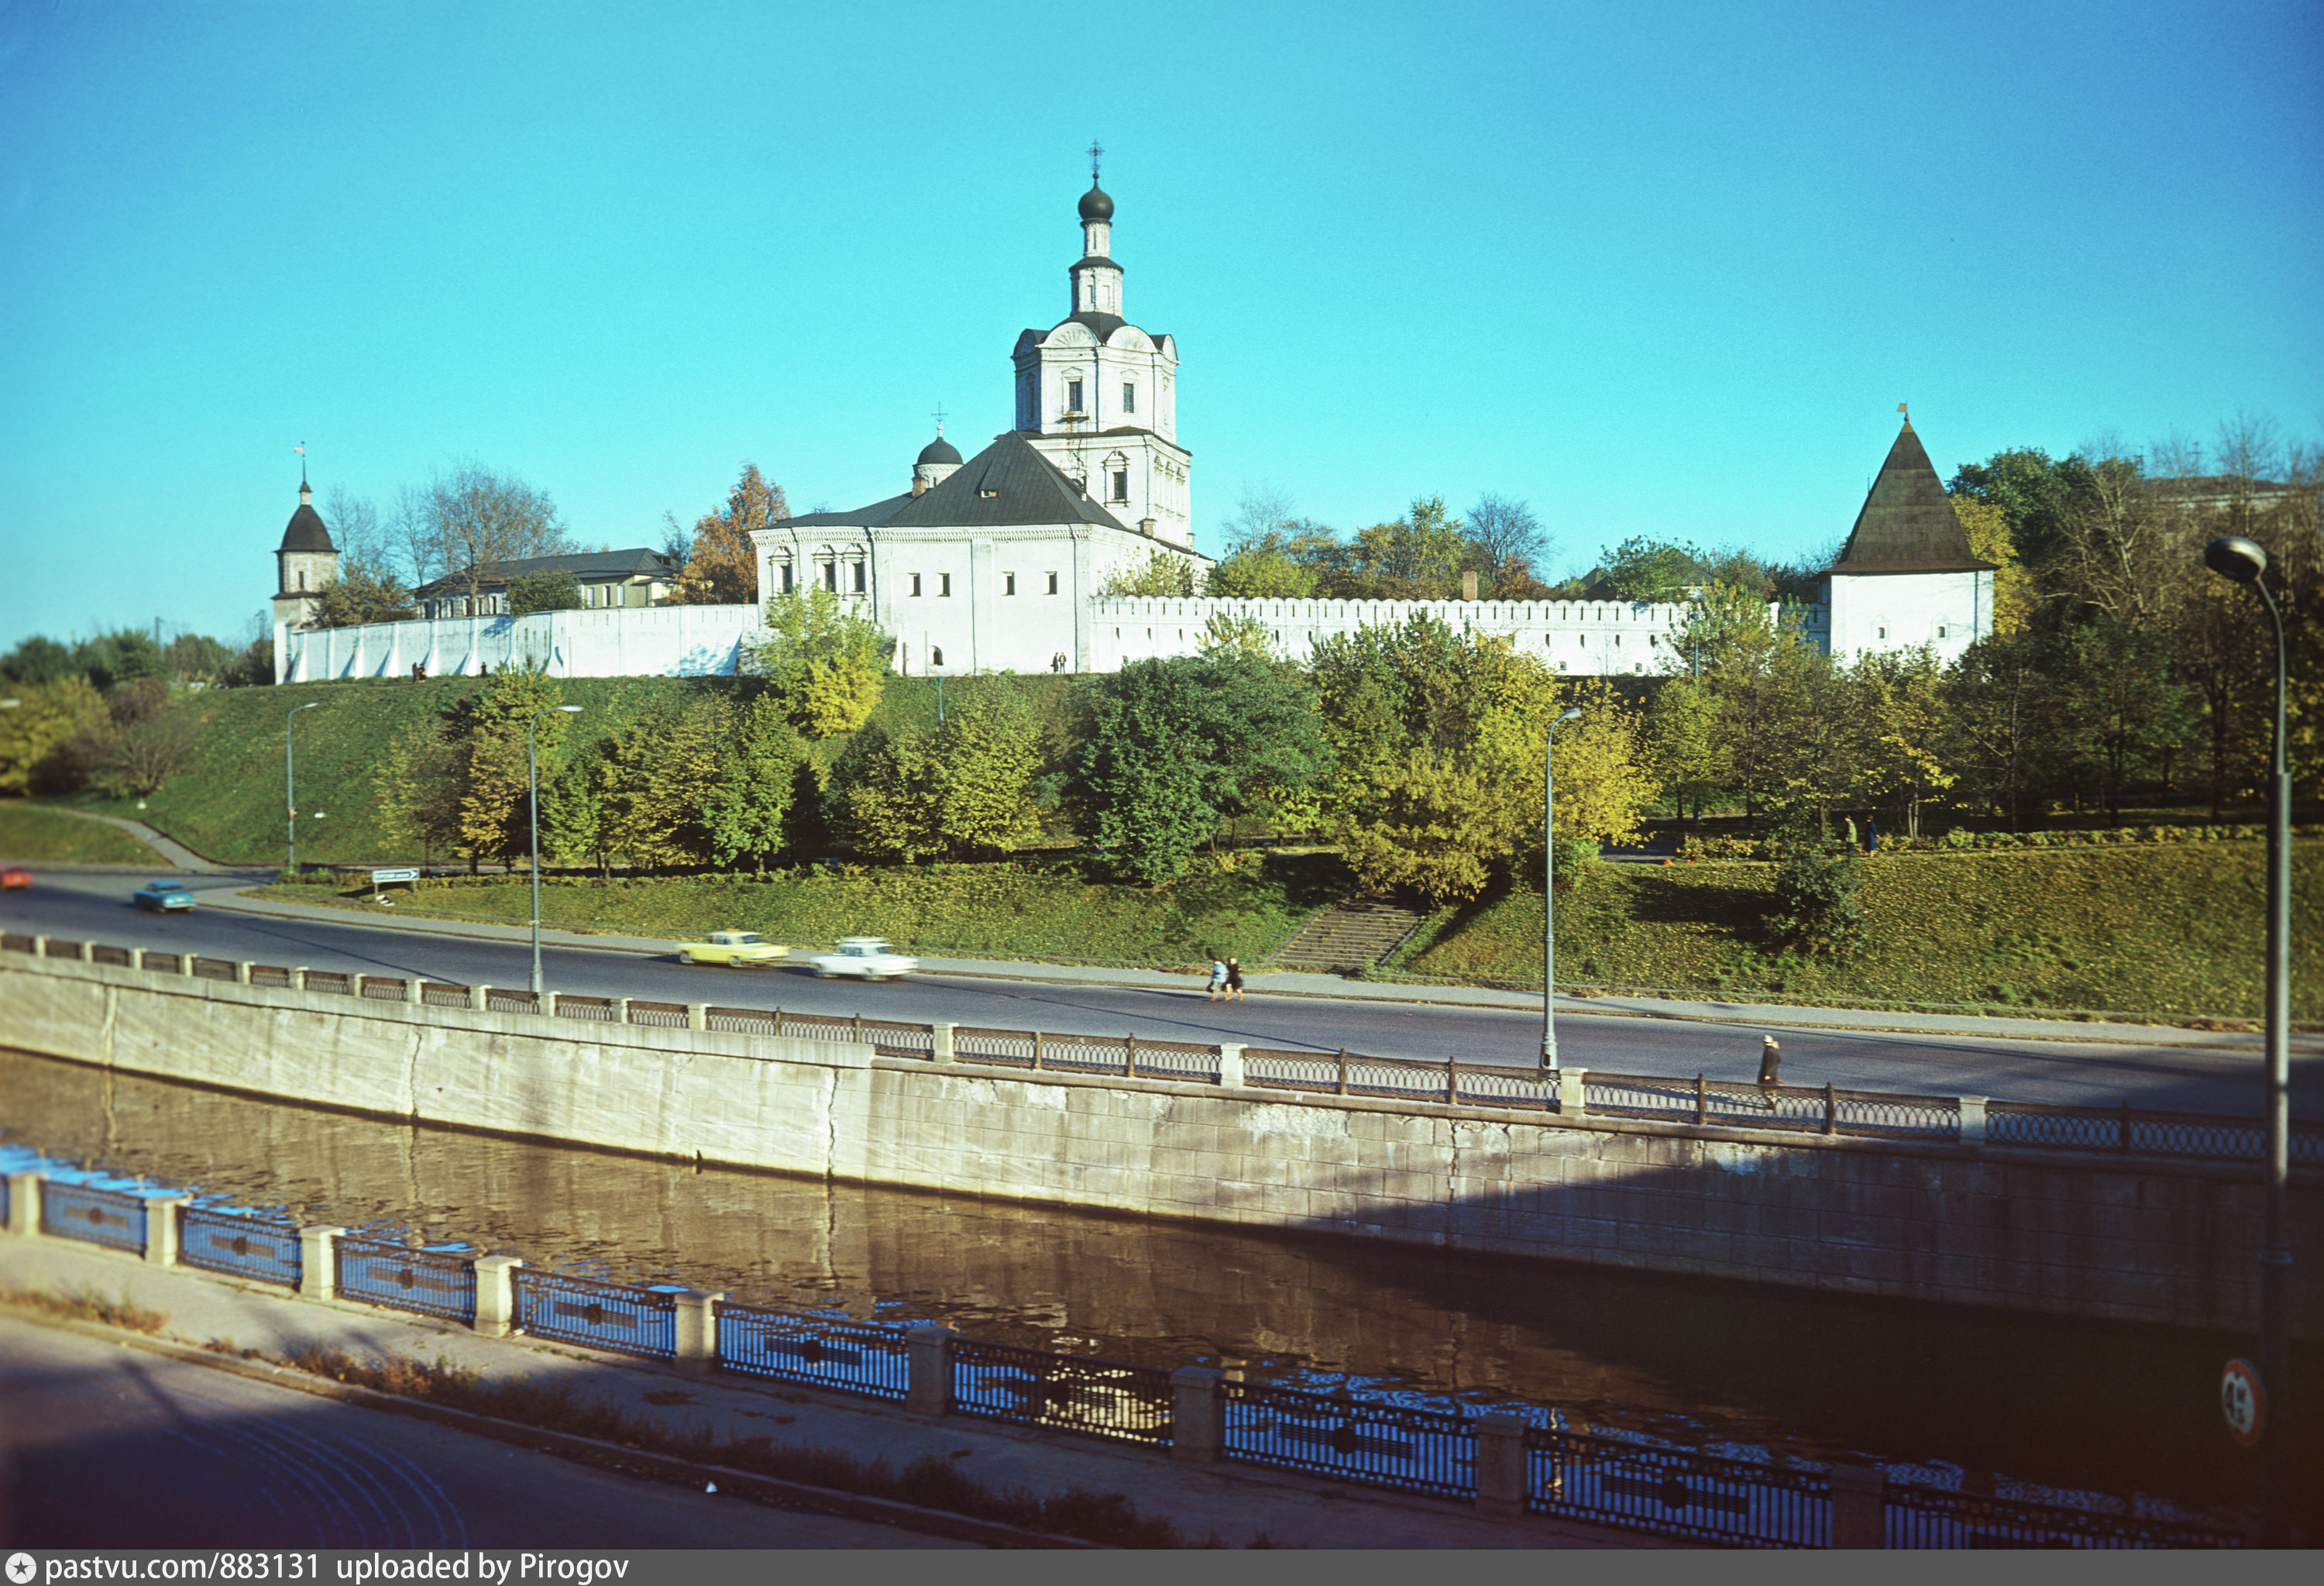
(2214, 1080)
(103, 1446)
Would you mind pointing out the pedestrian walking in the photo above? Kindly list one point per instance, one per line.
(1771, 1063)
(1847, 830)
(1234, 980)
(1218, 978)
(1871, 835)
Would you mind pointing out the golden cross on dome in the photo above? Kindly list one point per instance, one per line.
(1096, 151)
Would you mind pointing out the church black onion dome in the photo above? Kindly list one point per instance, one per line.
(306, 531)
(1095, 205)
(940, 450)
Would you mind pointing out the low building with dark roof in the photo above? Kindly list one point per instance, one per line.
(637, 577)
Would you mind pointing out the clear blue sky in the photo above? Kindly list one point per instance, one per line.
(1660, 270)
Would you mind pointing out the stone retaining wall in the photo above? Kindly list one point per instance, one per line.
(2146, 1240)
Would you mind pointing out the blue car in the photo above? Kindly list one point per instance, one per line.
(161, 897)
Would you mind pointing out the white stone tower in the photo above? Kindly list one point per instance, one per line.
(1098, 396)
(306, 561)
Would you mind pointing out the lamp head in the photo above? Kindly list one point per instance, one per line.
(310, 704)
(1571, 713)
(570, 710)
(2231, 555)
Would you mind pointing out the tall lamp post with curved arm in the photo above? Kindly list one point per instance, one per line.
(1548, 887)
(532, 808)
(2231, 555)
(291, 794)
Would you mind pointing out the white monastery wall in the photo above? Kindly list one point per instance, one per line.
(1948, 612)
(665, 642)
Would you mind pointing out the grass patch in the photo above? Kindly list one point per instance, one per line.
(87, 1305)
(930, 1481)
(27, 831)
(2165, 932)
(1013, 910)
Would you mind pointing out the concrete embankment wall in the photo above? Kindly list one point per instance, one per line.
(2134, 1240)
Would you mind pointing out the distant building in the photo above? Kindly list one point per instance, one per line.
(1906, 577)
(639, 576)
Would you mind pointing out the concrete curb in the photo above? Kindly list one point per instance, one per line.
(587, 1450)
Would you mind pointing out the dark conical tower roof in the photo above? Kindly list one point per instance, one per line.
(306, 530)
(1907, 524)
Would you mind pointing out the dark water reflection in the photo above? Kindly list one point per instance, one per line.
(2074, 1405)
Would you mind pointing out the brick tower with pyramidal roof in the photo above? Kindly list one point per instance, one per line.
(1905, 576)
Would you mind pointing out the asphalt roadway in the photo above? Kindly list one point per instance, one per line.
(2155, 1068)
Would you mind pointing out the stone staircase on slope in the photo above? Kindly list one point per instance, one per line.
(1350, 935)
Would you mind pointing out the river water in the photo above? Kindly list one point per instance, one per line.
(2033, 1407)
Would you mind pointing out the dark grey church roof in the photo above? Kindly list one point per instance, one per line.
(1907, 524)
(870, 517)
(1007, 483)
(940, 450)
(306, 530)
(1095, 205)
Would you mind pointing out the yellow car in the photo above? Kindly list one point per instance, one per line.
(734, 949)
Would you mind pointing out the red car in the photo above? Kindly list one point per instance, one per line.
(14, 879)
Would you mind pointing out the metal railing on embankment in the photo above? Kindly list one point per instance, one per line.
(1570, 1092)
(1508, 1462)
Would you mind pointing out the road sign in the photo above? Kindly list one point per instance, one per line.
(378, 876)
(2243, 1399)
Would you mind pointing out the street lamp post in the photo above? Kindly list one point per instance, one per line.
(291, 795)
(532, 808)
(2231, 555)
(1548, 908)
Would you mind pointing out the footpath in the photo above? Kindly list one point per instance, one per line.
(213, 1319)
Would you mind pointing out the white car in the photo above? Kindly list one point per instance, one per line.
(865, 958)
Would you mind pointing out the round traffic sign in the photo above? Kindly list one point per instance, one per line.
(2243, 1399)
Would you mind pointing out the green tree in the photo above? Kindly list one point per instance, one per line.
(574, 823)
(661, 777)
(2003, 732)
(1900, 702)
(1687, 736)
(825, 658)
(1819, 904)
(39, 659)
(758, 779)
(1162, 573)
(1267, 569)
(37, 735)
(1174, 748)
(416, 788)
(966, 788)
(2121, 706)
(551, 589)
(1419, 557)
(1649, 569)
(495, 812)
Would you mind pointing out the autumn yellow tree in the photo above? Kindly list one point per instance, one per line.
(724, 568)
(1986, 523)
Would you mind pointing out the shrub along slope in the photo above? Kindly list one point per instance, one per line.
(227, 802)
(2162, 932)
(985, 910)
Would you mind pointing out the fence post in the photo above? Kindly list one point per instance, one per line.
(479, 999)
(242, 972)
(82, 957)
(24, 1204)
(412, 985)
(1230, 1064)
(297, 975)
(928, 1359)
(697, 1328)
(940, 1042)
(1129, 1055)
(1701, 1102)
(1197, 1421)
(40, 950)
(1343, 1073)
(318, 1265)
(1501, 1485)
(2123, 1142)
(1972, 1120)
(1830, 1110)
(1858, 1508)
(496, 1295)
(161, 1229)
(1573, 1102)
(621, 1010)
(1452, 1082)
(697, 1016)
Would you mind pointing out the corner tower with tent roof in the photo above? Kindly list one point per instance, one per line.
(1907, 577)
(306, 561)
(1098, 396)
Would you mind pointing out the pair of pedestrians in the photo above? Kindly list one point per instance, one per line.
(1226, 981)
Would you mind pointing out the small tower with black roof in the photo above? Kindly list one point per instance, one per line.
(305, 563)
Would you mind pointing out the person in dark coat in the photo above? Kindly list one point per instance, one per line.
(1234, 980)
(1871, 835)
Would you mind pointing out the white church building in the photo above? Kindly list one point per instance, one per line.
(998, 562)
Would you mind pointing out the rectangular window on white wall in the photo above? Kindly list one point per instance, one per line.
(831, 576)
(858, 572)
(943, 584)
(1008, 583)
(915, 584)
(1129, 397)
(1072, 396)
(1053, 584)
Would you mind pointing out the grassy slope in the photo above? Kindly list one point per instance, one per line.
(30, 832)
(2164, 932)
(226, 804)
(982, 910)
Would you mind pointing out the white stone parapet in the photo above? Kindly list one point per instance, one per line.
(620, 641)
(1582, 638)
